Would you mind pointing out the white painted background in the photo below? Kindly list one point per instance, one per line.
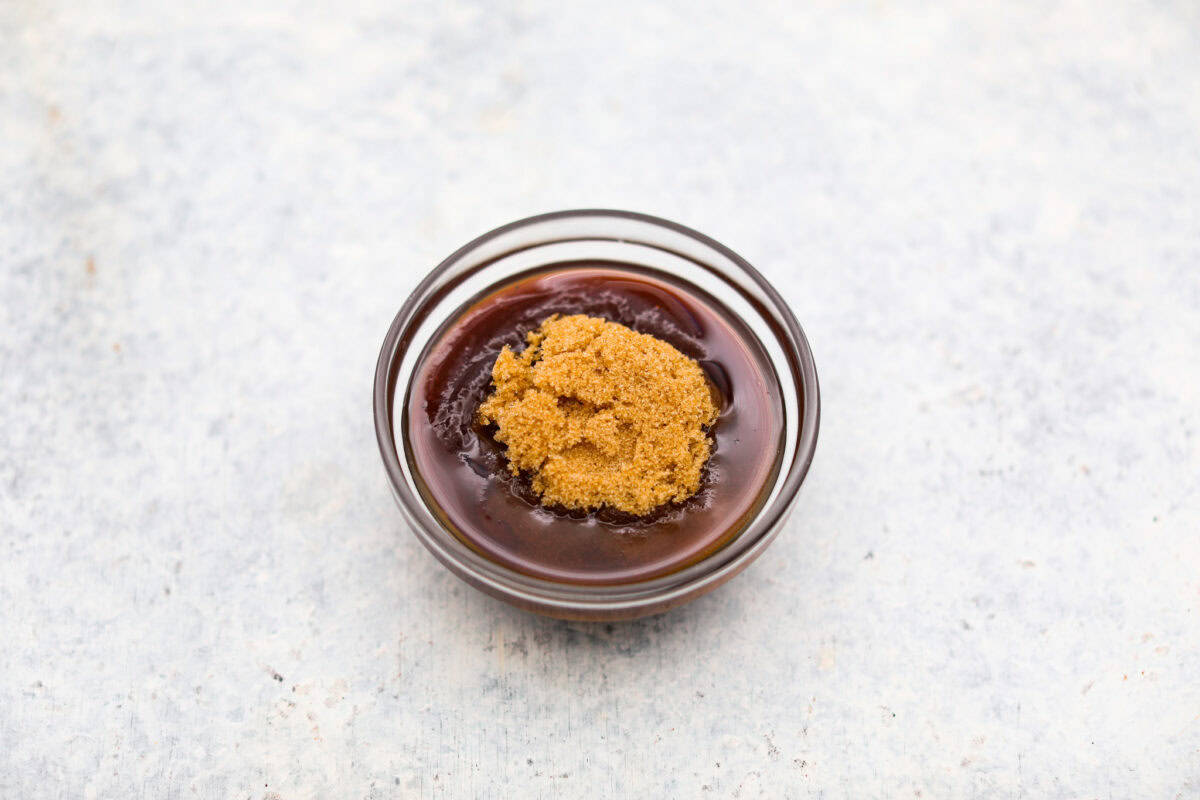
(986, 216)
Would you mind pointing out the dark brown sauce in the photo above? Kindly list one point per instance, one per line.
(462, 471)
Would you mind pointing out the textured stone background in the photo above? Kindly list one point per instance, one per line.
(986, 216)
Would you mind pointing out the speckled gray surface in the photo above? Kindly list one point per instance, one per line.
(987, 219)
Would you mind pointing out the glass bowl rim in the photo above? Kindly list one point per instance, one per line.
(551, 596)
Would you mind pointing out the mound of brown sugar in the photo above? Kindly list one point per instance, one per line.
(600, 415)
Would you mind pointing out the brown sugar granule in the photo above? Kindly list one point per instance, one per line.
(599, 415)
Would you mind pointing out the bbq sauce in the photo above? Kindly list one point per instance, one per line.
(462, 471)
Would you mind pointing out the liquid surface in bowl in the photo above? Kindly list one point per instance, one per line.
(462, 471)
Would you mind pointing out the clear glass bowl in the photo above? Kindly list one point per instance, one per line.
(613, 236)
